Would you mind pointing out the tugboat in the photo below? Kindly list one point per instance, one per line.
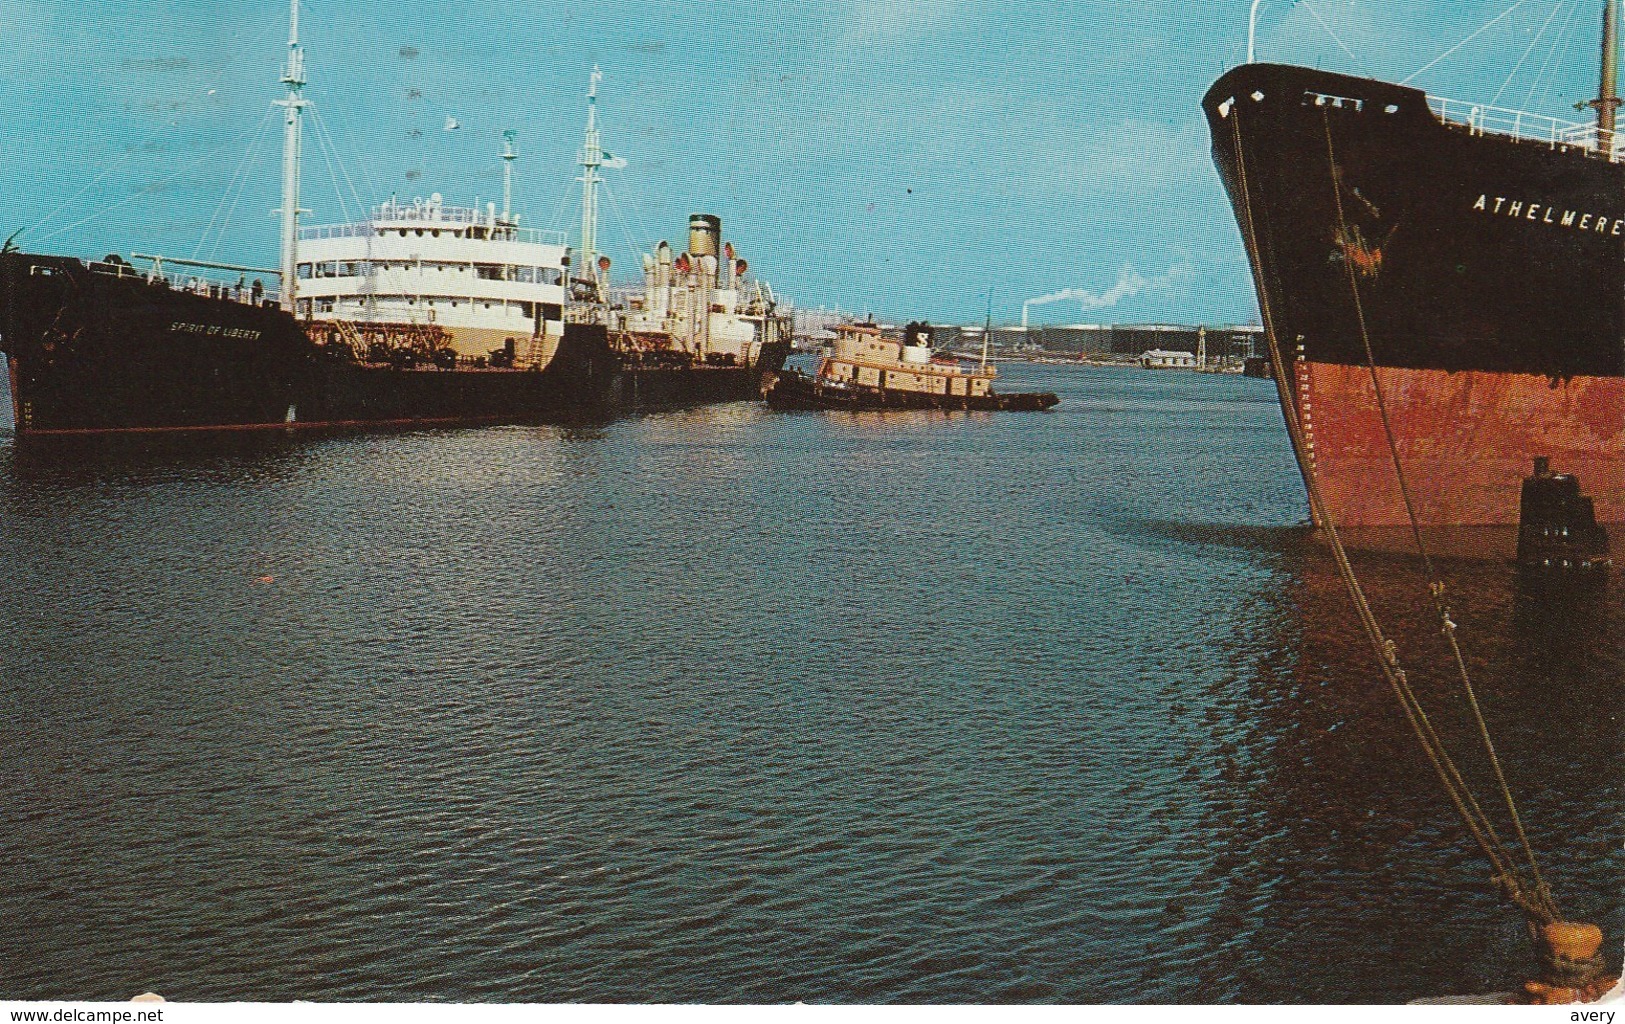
(865, 369)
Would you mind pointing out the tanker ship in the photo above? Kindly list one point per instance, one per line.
(1442, 286)
(422, 312)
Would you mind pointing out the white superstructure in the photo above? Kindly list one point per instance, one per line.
(698, 304)
(471, 279)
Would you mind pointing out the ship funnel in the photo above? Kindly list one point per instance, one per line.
(917, 343)
(704, 234)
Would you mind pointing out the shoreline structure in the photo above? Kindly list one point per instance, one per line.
(1206, 346)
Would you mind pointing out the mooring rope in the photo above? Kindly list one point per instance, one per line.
(1538, 907)
(1436, 588)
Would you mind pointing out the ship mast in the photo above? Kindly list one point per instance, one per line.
(592, 158)
(294, 106)
(987, 326)
(1607, 101)
(507, 175)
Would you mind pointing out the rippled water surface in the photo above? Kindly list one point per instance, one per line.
(728, 705)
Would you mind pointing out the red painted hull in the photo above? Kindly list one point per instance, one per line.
(1466, 441)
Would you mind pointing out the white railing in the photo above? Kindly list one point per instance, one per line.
(1481, 119)
(197, 283)
(431, 211)
(362, 230)
(368, 229)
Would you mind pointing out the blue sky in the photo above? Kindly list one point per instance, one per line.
(900, 157)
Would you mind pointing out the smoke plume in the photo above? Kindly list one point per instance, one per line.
(1129, 284)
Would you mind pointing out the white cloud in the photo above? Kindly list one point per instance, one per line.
(880, 22)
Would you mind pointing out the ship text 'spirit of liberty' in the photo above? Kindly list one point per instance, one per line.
(180, 327)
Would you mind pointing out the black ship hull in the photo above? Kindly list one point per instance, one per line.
(795, 390)
(95, 349)
(642, 386)
(1459, 288)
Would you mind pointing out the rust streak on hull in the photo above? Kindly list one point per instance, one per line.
(1466, 441)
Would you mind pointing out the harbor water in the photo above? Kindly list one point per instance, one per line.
(729, 705)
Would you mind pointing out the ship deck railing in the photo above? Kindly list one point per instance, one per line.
(239, 288)
(1482, 119)
(433, 217)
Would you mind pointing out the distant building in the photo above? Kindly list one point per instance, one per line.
(1127, 342)
(1084, 339)
(1158, 359)
(1242, 343)
(1018, 339)
(1115, 343)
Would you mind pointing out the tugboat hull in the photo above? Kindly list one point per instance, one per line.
(795, 390)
